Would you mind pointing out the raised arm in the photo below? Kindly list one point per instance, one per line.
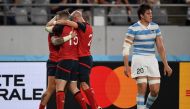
(76, 25)
(68, 23)
(50, 25)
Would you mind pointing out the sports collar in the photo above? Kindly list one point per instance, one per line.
(144, 27)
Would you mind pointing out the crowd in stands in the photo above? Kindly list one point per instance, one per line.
(13, 14)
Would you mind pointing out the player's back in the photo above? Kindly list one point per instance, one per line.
(85, 39)
(69, 49)
(53, 50)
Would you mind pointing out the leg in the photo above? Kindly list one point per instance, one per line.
(89, 92)
(73, 86)
(51, 70)
(85, 64)
(139, 72)
(62, 76)
(60, 95)
(154, 82)
(154, 86)
(77, 94)
(142, 87)
(84, 86)
(46, 96)
(60, 85)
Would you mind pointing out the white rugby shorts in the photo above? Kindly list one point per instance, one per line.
(144, 66)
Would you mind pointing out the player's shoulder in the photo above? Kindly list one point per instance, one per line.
(154, 24)
(87, 24)
(135, 25)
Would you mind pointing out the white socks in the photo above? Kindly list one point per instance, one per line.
(140, 102)
(150, 101)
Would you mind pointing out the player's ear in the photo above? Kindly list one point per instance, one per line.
(142, 16)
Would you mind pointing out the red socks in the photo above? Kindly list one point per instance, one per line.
(80, 99)
(41, 106)
(91, 98)
(60, 97)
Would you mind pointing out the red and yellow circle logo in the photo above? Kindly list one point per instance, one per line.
(112, 87)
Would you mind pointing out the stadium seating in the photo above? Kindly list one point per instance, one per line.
(118, 15)
(160, 16)
(39, 15)
(41, 1)
(134, 16)
(21, 16)
(99, 16)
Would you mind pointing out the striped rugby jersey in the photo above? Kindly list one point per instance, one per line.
(144, 38)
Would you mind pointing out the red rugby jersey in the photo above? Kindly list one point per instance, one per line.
(85, 33)
(69, 49)
(53, 50)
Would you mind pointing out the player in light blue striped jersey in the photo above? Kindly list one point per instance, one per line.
(144, 35)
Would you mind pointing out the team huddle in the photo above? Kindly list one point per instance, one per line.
(70, 60)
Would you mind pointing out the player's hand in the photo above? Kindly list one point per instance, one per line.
(73, 34)
(167, 70)
(127, 71)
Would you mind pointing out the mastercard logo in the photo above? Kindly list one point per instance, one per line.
(112, 87)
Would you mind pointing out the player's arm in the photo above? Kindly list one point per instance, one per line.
(52, 21)
(162, 52)
(51, 24)
(60, 40)
(128, 41)
(76, 25)
(57, 29)
(81, 26)
(68, 23)
(49, 29)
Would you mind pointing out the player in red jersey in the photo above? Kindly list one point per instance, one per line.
(51, 64)
(51, 69)
(85, 34)
(67, 67)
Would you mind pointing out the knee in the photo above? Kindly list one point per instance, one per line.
(51, 89)
(84, 85)
(142, 91)
(142, 88)
(46, 93)
(154, 86)
(154, 92)
(73, 87)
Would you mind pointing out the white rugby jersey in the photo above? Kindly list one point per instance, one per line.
(144, 38)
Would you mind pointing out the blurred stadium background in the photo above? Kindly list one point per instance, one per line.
(24, 51)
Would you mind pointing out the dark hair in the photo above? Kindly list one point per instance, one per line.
(142, 9)
(63, 13)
